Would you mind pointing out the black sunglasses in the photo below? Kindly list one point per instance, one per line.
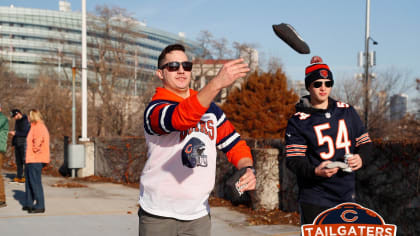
(174, 66)
(328, 84)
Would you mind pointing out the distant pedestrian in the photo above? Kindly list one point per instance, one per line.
(4, 129)
(19, 142)
(37, 155)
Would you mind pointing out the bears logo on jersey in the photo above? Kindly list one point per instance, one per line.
(193, 153)
(348, 219)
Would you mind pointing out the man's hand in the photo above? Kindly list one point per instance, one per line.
(322, 171)
(355, 162)
(236, 185)
(230, 72)
(12, 133)
(247, 181)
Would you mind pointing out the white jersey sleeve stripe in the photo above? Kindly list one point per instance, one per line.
(162, 119)
(221, 120)
(228, 141)
(148, 120)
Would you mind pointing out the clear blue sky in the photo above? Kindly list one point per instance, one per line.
(335, 30)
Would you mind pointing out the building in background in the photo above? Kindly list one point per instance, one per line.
(299, 87)
(250, 56)
(398, 106)
(205, 69)
(31, 38)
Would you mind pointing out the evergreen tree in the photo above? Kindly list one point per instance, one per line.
(261, 108)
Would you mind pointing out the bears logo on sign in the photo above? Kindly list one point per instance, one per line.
(323, 73)
(348, 219)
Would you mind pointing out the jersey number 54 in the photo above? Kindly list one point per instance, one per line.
(342, 140)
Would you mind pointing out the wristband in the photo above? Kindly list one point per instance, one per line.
(252, 168)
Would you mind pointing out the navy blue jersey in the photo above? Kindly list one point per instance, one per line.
(314, 136)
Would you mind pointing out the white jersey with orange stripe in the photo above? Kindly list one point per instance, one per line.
(182, 137)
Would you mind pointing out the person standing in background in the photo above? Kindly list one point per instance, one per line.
(4, 129)
(37, 156)
(22, 127)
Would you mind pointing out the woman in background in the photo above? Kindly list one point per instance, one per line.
(37, 156)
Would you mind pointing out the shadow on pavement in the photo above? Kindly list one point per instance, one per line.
(10, 176)
(19, 195)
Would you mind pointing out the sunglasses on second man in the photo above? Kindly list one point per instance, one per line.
(318, 84)
(174, 66)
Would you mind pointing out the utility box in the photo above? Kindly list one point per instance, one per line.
(76, 156)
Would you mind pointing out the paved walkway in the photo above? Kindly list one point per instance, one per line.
(102, 209)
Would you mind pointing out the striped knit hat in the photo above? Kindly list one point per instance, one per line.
(317, 70)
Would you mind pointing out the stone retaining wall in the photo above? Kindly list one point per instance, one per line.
(122, 159)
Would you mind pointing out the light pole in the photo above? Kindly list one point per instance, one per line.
(367, 62)
(73, 113)
(84, 75)
(73, 107)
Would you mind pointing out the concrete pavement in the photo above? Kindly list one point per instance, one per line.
(101, 209)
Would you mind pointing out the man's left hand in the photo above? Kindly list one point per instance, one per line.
(248, 180)
(355, 162)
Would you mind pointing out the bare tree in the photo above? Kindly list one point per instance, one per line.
(274, 63)
(45, 94)
(216, 52)
(13, 87)
(114, 60)
(248, 52)
(386, 84)
(201, 70)
(221, 49)
(54, 102)
(205, 39)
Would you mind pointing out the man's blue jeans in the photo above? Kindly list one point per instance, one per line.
(33, 186)
(20, 153)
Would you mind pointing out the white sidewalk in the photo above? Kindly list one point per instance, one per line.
(102, 209)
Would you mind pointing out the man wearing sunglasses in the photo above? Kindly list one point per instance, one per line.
(183, 128)
(318, 137)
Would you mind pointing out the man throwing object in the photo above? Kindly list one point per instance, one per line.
(182, 129)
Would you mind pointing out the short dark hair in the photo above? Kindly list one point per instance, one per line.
(168, 49)
(14, 112)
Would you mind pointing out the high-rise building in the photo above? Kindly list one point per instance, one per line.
(398, 106)
(35, 38)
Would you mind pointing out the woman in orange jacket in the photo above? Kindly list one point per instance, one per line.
(37, 155)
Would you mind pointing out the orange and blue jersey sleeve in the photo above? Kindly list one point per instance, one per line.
(162, 116)
(228, 140)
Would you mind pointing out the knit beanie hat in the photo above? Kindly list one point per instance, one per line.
(317, 70)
